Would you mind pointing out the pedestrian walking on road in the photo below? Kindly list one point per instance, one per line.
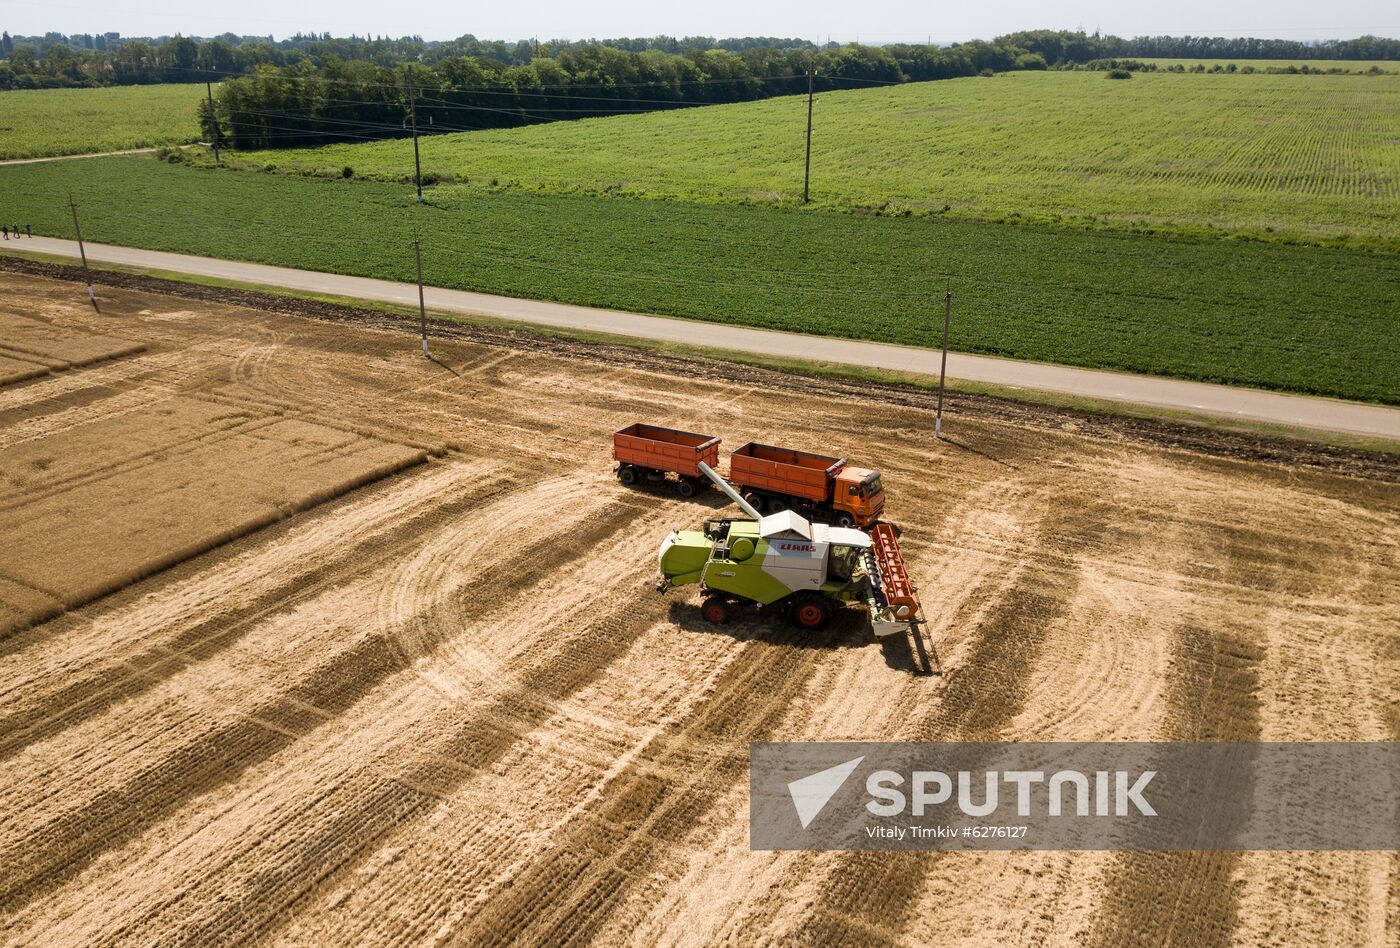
(29, 230)
(6, 231)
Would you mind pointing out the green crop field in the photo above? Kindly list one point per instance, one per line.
(1312, 159)
(36, 123)
(1308, 319)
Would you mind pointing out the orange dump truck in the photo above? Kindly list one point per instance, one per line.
(650, 452)
(814, 485)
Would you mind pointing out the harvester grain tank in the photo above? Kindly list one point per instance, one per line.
(785, 561)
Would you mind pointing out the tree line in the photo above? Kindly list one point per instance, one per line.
(302, 105)
(59, 60)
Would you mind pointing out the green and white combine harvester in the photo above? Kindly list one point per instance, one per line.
(785, 561)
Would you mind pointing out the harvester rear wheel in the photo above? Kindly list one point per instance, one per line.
(811, 611)
(627, 474)
(715, 610)
(686, 487)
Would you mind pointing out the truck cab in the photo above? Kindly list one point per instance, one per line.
(860, 494)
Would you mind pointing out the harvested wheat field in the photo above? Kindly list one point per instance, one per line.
(308, 640)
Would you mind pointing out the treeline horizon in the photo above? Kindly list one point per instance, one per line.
(301, 105)
(56, 60)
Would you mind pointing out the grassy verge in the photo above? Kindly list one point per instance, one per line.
(1305, 319)
(799, 366)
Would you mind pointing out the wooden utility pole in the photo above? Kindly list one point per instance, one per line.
(83, 253)
(807, 172)
(422, 310)
(942, 372)
(213, 119)
(413, 116)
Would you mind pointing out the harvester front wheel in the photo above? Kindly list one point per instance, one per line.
(627, 474)
(686, 487)
(811, 611)
(715, 610)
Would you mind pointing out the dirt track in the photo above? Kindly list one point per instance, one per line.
(447, 706)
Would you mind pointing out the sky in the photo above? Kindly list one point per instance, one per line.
(872, 21)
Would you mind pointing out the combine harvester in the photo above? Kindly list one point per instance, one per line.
(785, 561)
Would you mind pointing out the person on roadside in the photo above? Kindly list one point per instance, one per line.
(5, 230)
(29, 231)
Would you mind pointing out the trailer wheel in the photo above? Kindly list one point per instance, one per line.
(811, 611)
(627, 474)
(715, 610)
(686, 487)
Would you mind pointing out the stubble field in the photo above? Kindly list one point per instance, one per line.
(447, 706)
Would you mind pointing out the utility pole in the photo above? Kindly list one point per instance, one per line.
(213, 118)
(422, 310)
(83, 253)
(807, 172)
(942, 372)
(413, 115)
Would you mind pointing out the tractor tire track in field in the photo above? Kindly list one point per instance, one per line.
(982, 697)
(565, 894)
(60, 847)
(80, 692)
(343, 823)
(1189, 898)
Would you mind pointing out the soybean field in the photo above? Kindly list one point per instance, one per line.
(1293, 158)
(38, 123)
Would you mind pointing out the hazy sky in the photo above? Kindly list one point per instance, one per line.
(880, 21)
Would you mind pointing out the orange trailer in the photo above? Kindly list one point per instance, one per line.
(650, 452)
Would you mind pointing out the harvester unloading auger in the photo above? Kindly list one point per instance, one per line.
(785, 560)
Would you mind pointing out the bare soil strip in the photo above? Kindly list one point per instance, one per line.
(448, 706)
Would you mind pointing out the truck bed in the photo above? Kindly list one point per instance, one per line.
(778, 470)
(665, 449)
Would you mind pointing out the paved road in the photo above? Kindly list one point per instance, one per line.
(1197, 397)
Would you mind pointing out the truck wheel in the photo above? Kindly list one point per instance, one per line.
(627, 474)
(686, 487)
(754, 499)
(811, 611)
(845, 520)
(715, 610)
(777, 505)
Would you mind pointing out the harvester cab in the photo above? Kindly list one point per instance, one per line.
(784, 560)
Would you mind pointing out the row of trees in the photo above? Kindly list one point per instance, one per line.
(55, 60)
(1058, 46)
(302, 105)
